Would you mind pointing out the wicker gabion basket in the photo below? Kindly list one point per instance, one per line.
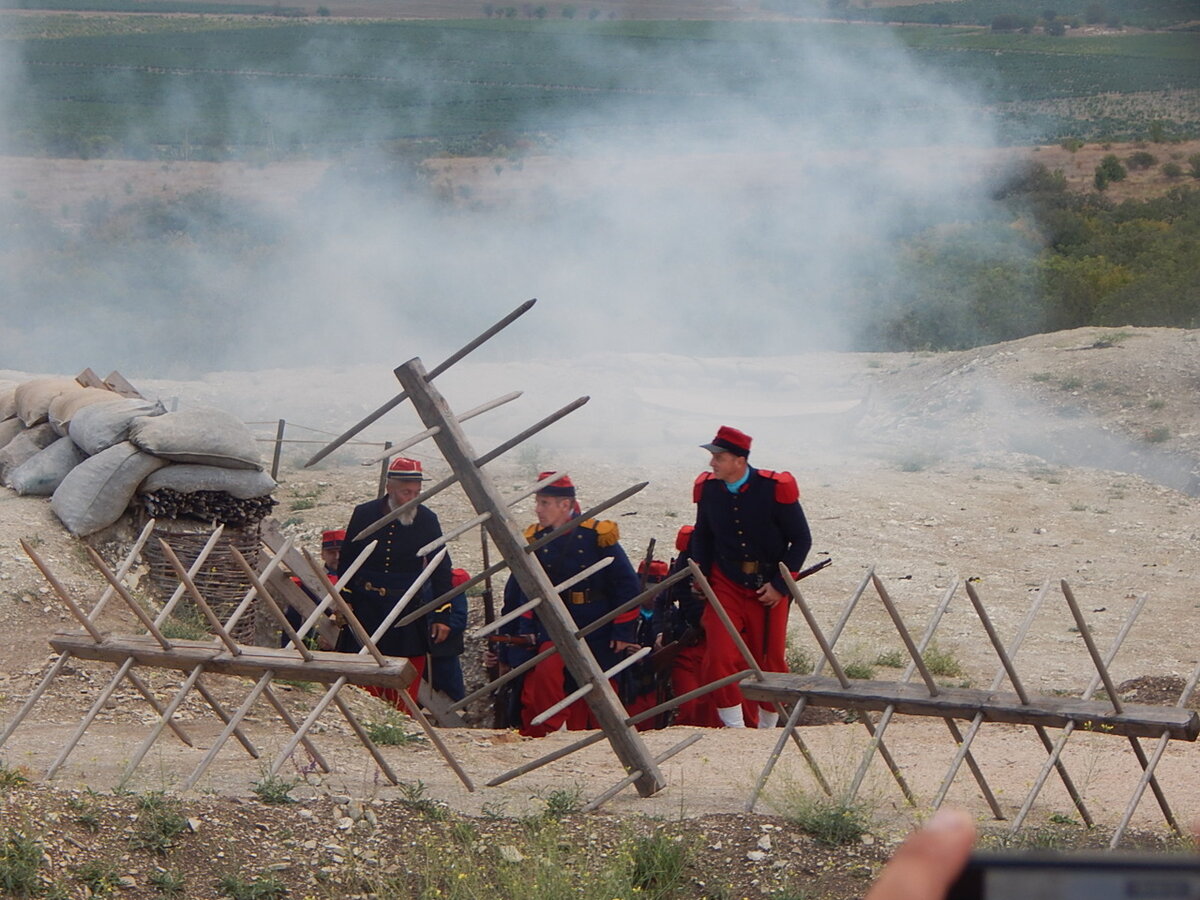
(220, 581)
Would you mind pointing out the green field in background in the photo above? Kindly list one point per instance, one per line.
(215, 87)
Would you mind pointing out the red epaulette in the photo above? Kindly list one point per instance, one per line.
(698, 486)
(786, 489)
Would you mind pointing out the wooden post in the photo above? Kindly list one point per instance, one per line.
(383, 469)
(554, 615)
(278, 449)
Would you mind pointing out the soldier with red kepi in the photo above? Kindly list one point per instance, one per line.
(748, 521)
(391, 569)
(587, 543)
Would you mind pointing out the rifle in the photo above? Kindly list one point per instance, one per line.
(644, 577)
(499, 705)
(513, 640)
(814, 569)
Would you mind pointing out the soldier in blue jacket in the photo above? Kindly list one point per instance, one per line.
(588, 542)
(748, 521)
(391, 569)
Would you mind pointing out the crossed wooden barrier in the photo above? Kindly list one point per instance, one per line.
(790, 693)
(1109, 717)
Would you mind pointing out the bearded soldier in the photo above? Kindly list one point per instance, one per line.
(391, 569)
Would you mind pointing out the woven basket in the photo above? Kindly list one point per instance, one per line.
(220, 581)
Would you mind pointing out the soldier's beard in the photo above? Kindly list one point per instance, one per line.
(406, 518)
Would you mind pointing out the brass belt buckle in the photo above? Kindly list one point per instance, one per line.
(578, 597)
(749, 568)
(367, 586)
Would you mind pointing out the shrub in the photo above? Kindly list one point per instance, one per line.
(1172, 170)
(1109, 170)
(1140, 160)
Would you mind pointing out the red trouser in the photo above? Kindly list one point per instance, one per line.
(391, 695)
(764, 631)
(687, 675)
(542, 689)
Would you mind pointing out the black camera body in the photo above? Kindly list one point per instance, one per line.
(1079, 876)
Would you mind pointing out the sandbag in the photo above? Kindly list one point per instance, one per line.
(9, 429)
(33, 397)
(25, 445)
(64, 407)
(103, 425)
(245, 484)
(8, 401)
(96, 492)
(44, 471)
(203, 435)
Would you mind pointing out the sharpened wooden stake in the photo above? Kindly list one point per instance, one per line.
(437, 370)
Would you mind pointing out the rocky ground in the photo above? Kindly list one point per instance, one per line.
(1063, 456)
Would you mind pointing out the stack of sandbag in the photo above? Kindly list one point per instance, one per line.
(217, 474)
(205, 462)
(91, 450)
(35, 453)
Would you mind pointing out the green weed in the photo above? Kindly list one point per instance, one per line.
(414, 797)
(392, 733)
(20, 859)
(274, 789)
(891, 659)
(262, 887)
(833, 821)
(564, 802)
(942, 663)
(168, 884)
(98, 877)
(159, 821)
(658, 863)
(11, 777)
(859, 669)
(799, 659)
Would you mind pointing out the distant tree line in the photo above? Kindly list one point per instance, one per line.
(1048, 259)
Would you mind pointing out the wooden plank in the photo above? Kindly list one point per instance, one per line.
(438, 705)
(966, 703)
(325, 667)
(287, 589)
(88, 378)
(115, 381)
(553, 613)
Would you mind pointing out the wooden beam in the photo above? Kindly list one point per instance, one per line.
(553, 612)
(966, 703)
(326, 667)
(284, 587)
(115, 381)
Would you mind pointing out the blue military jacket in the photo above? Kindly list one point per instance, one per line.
(756, 527)
(586, 544)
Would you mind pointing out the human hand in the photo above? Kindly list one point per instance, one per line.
(438, 632)
(929, 860)
(624, 647)
(768, 595)
(490, 659)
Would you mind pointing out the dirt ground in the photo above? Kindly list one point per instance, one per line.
(1013, 465)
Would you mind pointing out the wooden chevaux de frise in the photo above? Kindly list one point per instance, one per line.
(267, 592)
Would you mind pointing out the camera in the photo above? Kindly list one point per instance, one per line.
(1078, 876)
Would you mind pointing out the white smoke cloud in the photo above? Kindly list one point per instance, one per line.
(710, 218)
